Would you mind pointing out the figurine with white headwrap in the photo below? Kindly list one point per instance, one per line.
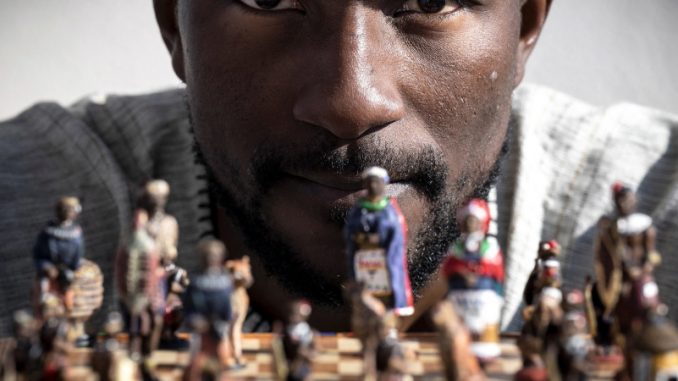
(474, 270)
(376, 244)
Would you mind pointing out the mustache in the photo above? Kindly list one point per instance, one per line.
(423, 167)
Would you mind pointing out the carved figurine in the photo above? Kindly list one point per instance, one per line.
(164, 230)
(474, 270)
(109, 360)
(575, 344)
(454, 343)
(58, 252)
(27, 353)
(653, 348)
(139, 278)
(546, 272)
(241, 274)
(542, 316)
(69, 285)
(207, 303)
(625, 257)
(376, 240)
(176, 282)
(539, 337)
(391, 356)
(299, 342)
(54, 345)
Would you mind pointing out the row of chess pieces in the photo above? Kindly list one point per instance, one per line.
(615, 325)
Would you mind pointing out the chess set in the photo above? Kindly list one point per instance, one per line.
(614, 328)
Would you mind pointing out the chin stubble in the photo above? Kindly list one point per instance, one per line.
(428, 175)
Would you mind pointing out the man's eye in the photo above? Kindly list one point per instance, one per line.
(430, 6)
(273, 5)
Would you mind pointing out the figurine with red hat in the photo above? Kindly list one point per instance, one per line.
(474, 270)
(546, 272)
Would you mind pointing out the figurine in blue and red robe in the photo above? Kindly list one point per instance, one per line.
(376, 240)
(59, 251)
(474, 270)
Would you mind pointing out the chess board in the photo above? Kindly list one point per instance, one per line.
(338, 359)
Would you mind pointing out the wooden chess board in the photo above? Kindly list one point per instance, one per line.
(338, 359)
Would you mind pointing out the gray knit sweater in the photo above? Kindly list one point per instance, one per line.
(555, 182)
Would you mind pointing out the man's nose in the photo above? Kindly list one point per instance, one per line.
(352, 88)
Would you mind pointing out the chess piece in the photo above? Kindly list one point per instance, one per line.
(474, 269)
(163, 229)
(546, 271)
(391, 357)
(539, 336)
(654, 348)
(454, 343)
(176, 282)
(54, 345)
(542, 316)
(109, 360)
(376, 243)
(575, 343)
(58, 253)
(27, 353)
(625, 258)
(139, 278)
(207, 303)
(161, 226)
(299, 342)
(367, 314)
(241, 274)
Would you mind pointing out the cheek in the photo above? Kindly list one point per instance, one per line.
(461, 89)
(238, 86)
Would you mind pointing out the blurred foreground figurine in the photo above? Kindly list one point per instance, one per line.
(542, 316)
(207, 303)
(376, 240)
(384, 358)
(27, 356)
(625, 258)
(474, 270)
(299, 342)
(454, 345)
(654, 348)
(64, 276)
(546, 272)
(109, 361)
(241, 275)
(139, 278)
(58, 252)
(163, 229)
(575, 344)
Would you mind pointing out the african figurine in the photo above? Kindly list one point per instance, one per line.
(376, 244)
(474, 270)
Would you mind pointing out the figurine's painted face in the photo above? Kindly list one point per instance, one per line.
(291, 99)
(375, 186)
(625, 203)
(472, 224)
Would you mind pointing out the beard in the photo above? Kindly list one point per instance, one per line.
(423, 168)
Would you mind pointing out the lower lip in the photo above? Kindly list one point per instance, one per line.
(327, 195)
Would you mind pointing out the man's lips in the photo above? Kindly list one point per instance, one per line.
(331, 188)
(346, 183)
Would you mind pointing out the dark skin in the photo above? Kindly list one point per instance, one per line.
(350, 73)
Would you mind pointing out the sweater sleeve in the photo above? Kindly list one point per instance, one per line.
(46, 153)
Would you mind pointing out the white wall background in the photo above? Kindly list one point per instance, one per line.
(603, 51)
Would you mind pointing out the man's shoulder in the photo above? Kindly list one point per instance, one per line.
(541, 108)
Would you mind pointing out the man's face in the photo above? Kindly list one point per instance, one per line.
(290, 100)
